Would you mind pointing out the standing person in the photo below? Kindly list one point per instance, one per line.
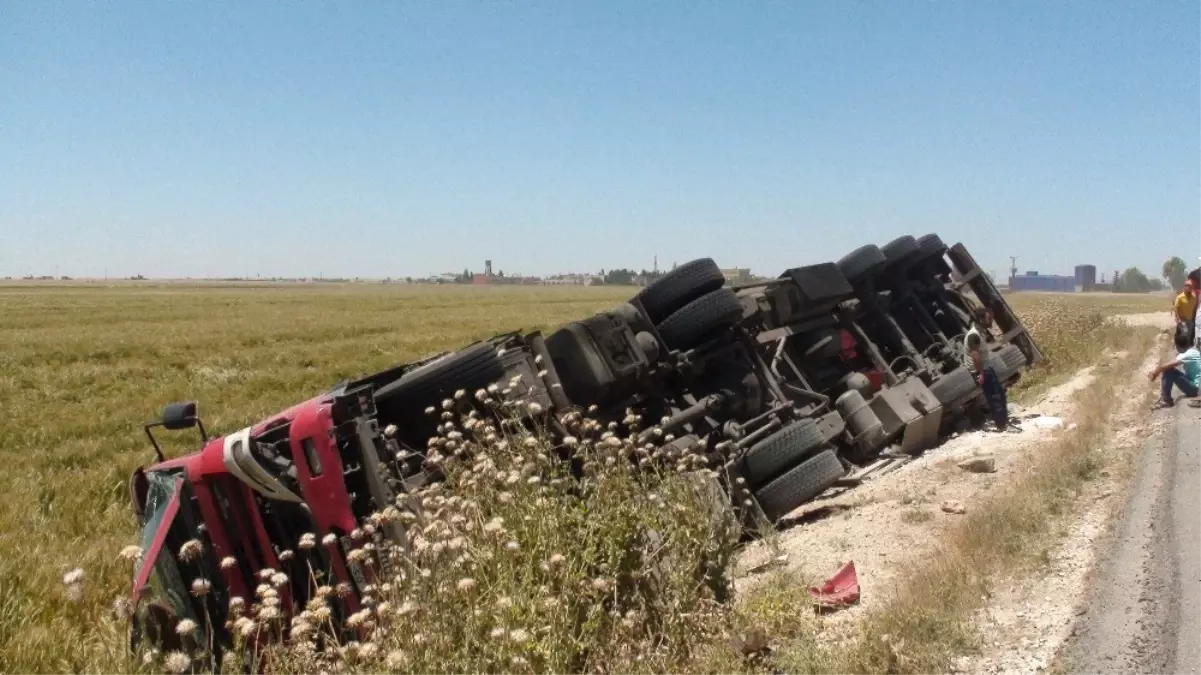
(1195, 277)
(1183, 373)
(979, 360)
(1196, 314)
(1184, 309)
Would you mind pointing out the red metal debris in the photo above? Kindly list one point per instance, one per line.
(840, 590)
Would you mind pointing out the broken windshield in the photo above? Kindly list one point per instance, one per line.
(159, 590)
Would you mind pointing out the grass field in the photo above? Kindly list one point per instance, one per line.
(83, 366)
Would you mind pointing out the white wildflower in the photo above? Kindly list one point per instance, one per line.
(73, 577)
(177, 662)
(131, 552)
(191, 550)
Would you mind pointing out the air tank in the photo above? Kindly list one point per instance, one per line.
(865, 426)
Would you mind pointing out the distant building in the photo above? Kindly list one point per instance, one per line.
(1033, 281)
(573, 280)
(1086, 277)
(737, 275)
(648, 278)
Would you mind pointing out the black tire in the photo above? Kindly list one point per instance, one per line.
(954, 387)
(931, 246)
(901, 252)
(1007, 361)
(476, 366)
(806, 481)
(862, 263)
(679, 287)
(1011, 356)
(767, 458)
(692, 323)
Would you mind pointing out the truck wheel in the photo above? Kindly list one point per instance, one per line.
(901, 252)
(953, 387)
(931, 246)
(691, 324)
(861, 263)
(784, 448)
(476, 366)
(804, 482)
(1011, 356)
(1007, 361)
(679, 287)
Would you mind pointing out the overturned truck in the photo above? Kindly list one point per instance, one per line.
(778, 388)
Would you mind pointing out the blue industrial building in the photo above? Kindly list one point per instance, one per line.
(1033, 281)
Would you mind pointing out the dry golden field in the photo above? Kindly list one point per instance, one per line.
(83, 366)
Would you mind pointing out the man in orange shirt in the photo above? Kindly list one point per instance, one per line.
(1184, 309)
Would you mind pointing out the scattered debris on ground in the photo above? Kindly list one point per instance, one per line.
(985, 464)
(867, 523)
(953, 506)
(840, 590)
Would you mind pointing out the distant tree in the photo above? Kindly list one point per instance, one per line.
(1132, 281)
(1175, 272)
(1157, 285)
(622, 277)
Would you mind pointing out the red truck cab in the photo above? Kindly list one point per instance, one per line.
(219, 522)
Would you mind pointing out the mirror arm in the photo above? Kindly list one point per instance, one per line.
(157, 450)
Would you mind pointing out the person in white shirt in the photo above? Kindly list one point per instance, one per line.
(979, 360)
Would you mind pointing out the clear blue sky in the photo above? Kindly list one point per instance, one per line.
(404, 138)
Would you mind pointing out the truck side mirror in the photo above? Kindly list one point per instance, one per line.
(179, 416)
(176, 416)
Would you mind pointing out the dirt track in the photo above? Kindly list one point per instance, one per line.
(1162, 320)
(1144, 606)
(1120, 594)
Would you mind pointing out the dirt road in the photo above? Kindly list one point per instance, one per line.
(1145, 600)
